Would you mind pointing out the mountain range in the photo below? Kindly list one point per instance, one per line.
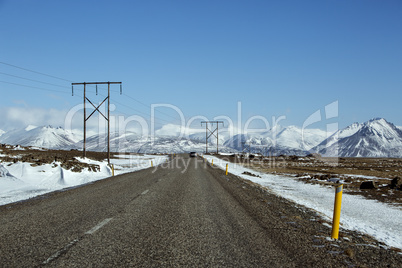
(46, 137)
(374, 138)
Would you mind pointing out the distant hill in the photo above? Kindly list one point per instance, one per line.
(45, 136)
(374, 138)
(287, 140)
(132, 142)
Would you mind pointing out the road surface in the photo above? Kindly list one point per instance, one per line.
(183, 213)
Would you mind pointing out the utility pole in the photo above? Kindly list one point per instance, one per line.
(211, 132)
(97, 109)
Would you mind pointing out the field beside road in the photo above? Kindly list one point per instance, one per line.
(26, 172)
(352, 172)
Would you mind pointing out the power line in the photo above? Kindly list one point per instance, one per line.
(138, 111)
(33, 80)
(38, 81)
(32, 71)
(63, 79)
(36, 72)
(34, 87)
(58, 91)
(148, 106)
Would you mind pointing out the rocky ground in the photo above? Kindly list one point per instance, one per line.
(39, 156)
(374, 178)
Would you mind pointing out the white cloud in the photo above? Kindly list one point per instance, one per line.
(176, 130)
(22, 116)
(18, 117)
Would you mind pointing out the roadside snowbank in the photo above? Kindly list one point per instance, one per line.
(20, 181)
(379, 220)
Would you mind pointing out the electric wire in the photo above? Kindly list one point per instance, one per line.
(67, 80)
(32, 71)
(33, 80)
(58, 91)
(40, 88)
(129, 107)
(36, 72)
(148, 106)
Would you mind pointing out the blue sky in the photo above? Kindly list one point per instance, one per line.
(278, 58)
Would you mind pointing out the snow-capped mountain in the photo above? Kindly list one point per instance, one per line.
(340, 134)
(59, 138)
(45, 136)
(375, 138)
(118, 142)
(195, 134)
(288, 140)
(174, 145)
(132, 142)
(223, 136)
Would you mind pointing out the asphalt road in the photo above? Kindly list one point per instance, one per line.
(184, 213)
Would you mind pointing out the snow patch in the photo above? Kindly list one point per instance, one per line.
(20, 181)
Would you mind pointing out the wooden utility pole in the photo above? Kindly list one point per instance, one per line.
(85, 122)
(206, 138)
(211, 133)
(108, 123)
(97, 109)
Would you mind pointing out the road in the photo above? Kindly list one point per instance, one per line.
(183, 213)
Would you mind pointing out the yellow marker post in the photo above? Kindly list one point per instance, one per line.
(112, 167)
(212, 162)
(227, 169)
(152, 163)
(337, 212)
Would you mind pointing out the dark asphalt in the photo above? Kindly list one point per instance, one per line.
(174, 216)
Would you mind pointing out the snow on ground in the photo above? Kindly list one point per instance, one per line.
(380, 220)
(20, 181)
(224, 154)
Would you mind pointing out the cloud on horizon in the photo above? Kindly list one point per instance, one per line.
(19, 117)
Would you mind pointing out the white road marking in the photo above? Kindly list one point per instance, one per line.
(98, 226)
(58, 253)
(72, 243)
(145, 192)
